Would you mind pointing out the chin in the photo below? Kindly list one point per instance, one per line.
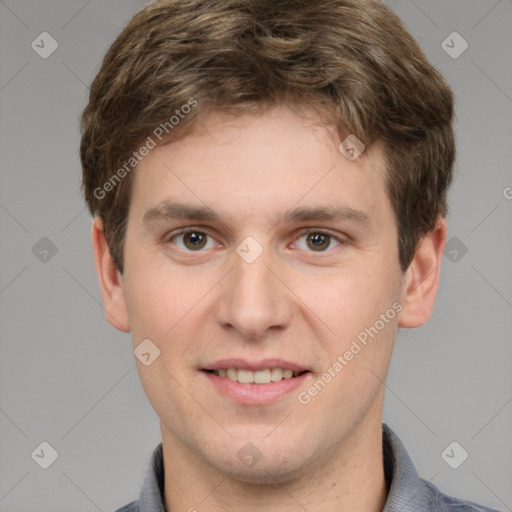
(265, 474)
(274, 466)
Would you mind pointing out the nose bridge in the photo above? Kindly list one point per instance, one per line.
(253, 300)
(252, 279)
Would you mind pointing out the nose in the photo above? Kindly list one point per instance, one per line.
(253, 300)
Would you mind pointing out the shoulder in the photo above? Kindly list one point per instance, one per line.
(408, 491)
(439, 501)
(130, 507)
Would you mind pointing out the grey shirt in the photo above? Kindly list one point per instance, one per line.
(407, 492)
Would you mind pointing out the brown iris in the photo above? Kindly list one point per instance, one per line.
(318, 241)
(194, 240)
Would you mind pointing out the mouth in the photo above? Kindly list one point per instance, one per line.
(256, 383)
(265, 376)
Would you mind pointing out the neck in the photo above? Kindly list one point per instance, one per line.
(352, 479)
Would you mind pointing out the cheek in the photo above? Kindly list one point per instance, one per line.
(171, 310)
(346, 309)
(156, 299)
(345, 300)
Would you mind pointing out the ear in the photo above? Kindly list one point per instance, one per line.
(422, 278)
(110, 279)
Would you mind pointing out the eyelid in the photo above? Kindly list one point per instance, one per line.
(168, 239)
(300, 234)
(321, 231)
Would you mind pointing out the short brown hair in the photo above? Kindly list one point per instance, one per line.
(352, 58)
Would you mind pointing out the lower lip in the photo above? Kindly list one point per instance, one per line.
(255, 394)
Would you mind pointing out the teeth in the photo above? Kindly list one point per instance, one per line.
(257, 377)
(245, 376)
(276, 374)
(261, 376)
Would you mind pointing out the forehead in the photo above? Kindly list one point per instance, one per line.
(250, 165)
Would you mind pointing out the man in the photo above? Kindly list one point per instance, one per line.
(268, 182)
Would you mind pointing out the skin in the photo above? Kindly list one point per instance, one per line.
(293, 302)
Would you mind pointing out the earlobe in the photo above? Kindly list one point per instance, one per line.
(110, 280)
(422, 278)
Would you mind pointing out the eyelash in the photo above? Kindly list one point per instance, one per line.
(302, 233)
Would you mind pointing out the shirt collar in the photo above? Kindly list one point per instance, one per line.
(151, 498)
(406, 490)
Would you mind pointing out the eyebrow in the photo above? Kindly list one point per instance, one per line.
(170, 210)
(327, 213)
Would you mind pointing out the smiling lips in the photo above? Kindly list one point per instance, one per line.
(263, 372)
(256, 377)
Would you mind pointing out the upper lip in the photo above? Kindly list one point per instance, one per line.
(262, 364)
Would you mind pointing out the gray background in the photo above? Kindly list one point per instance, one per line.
(68, 378)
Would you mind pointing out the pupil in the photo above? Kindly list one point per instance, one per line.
(195, 240)
(318, 241)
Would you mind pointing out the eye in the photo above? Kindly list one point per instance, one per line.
(317, 241)
(192, 240)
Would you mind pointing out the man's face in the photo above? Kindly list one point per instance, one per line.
(267, 284)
